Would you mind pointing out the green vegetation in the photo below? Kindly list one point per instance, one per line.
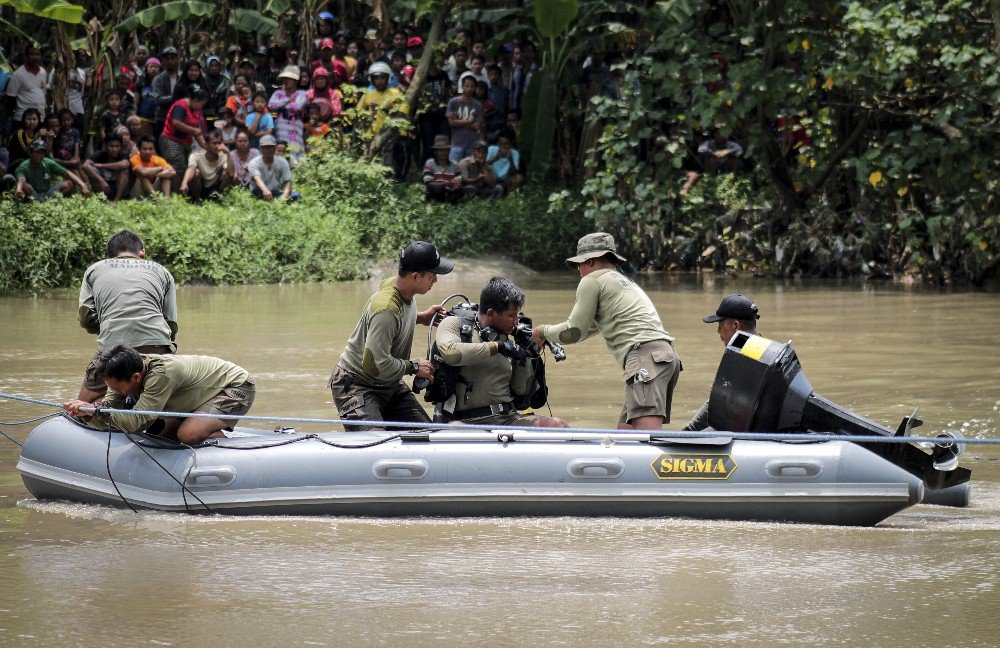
(352, 215)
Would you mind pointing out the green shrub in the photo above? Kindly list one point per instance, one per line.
(352, 214)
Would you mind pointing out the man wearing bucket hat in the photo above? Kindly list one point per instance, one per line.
(623, 313)
(442, 178)
(367, 382)
(735, 313)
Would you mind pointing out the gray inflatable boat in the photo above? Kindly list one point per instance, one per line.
(509, 473)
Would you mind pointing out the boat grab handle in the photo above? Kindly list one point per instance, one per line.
(395, 469)
(596, 468)
(211, 476)
(802, 468)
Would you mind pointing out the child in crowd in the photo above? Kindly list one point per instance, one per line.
(259, 121)
(66, 143)
(227, 127)
(315, 127)
(113, 116)
(30, 131)
(122, 84)
(51, 128)
(281, 150)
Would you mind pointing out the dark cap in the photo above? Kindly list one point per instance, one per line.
(37, 145)
(421, 256)
(734, 307)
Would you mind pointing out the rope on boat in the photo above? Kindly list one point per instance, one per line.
(569, 434)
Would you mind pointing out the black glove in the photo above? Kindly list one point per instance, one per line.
(511, 350)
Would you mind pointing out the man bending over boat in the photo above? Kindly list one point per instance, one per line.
(126, 299)
(485, 357)
(610, 303)
(367, 383)
(173, 383)
(735, 313)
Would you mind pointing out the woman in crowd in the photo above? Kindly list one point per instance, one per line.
(304, 80)
(289, 103)
(323, 94)
(31, 130)
(190, 76)
(146, 96)
(241, 101)
(241, 157)
(182, 130)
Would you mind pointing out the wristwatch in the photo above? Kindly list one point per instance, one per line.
(414, 366)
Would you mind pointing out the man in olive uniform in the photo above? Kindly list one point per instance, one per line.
(490, 361)
(126, 299)
(735, 313)
(367, 383)
(174, 383)
(610, 303)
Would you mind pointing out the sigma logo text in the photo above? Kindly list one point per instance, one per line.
(694, 466)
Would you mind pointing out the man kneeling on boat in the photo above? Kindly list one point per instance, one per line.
(492, 369)
(173, 383)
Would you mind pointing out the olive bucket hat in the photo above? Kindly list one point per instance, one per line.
(593, 246)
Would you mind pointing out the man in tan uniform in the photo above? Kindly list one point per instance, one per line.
(181, 383)
(367, 382)
(490, 361)
(610, 303)
(735, 313)
(126, 299)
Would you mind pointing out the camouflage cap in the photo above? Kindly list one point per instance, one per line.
(593, 246)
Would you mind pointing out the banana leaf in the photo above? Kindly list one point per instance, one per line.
(165, 13)
(52, 9)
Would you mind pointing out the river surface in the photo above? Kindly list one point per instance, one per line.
(74, 575)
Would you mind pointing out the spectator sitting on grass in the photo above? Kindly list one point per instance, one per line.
(66, 144)
(209, 171)
(241, 157)
(270, 175)
(152, 173)
(442, 179)
(477, 176)
(108, 168)
(39, 178)
(505, 161)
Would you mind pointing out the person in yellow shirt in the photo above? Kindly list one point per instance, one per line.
(378, 104)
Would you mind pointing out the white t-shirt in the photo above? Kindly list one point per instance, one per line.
(74, 93)
(29, 89)
(210, 171)
(274, 177)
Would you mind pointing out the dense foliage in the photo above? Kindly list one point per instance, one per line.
(870, 131)
(352, 215)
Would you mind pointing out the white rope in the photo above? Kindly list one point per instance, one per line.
(566, 433)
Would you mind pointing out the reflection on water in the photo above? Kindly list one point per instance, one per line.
(83, 575)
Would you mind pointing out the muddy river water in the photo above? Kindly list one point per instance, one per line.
(74, 575)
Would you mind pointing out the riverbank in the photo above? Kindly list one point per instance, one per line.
(351, 218)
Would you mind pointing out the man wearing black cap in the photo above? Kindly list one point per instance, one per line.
(735, 313)
(367, 383)
(610, 303)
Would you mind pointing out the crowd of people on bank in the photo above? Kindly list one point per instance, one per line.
(486, 367)
(245, 117)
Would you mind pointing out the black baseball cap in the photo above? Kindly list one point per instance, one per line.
(421, 256)
(734, 307)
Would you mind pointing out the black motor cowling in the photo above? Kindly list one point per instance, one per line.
(760, 387)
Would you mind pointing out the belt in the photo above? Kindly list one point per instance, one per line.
(486, 410)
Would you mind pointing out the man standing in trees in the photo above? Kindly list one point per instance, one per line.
(367, 383)
(735, 313)
(126, 299)
(610, 303)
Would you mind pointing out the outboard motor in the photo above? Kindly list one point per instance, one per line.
(760, 387)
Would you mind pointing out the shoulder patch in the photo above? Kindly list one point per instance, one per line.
(386, 298)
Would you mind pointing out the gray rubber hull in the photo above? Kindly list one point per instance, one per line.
(472, 474)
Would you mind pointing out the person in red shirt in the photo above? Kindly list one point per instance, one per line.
(181, 130)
